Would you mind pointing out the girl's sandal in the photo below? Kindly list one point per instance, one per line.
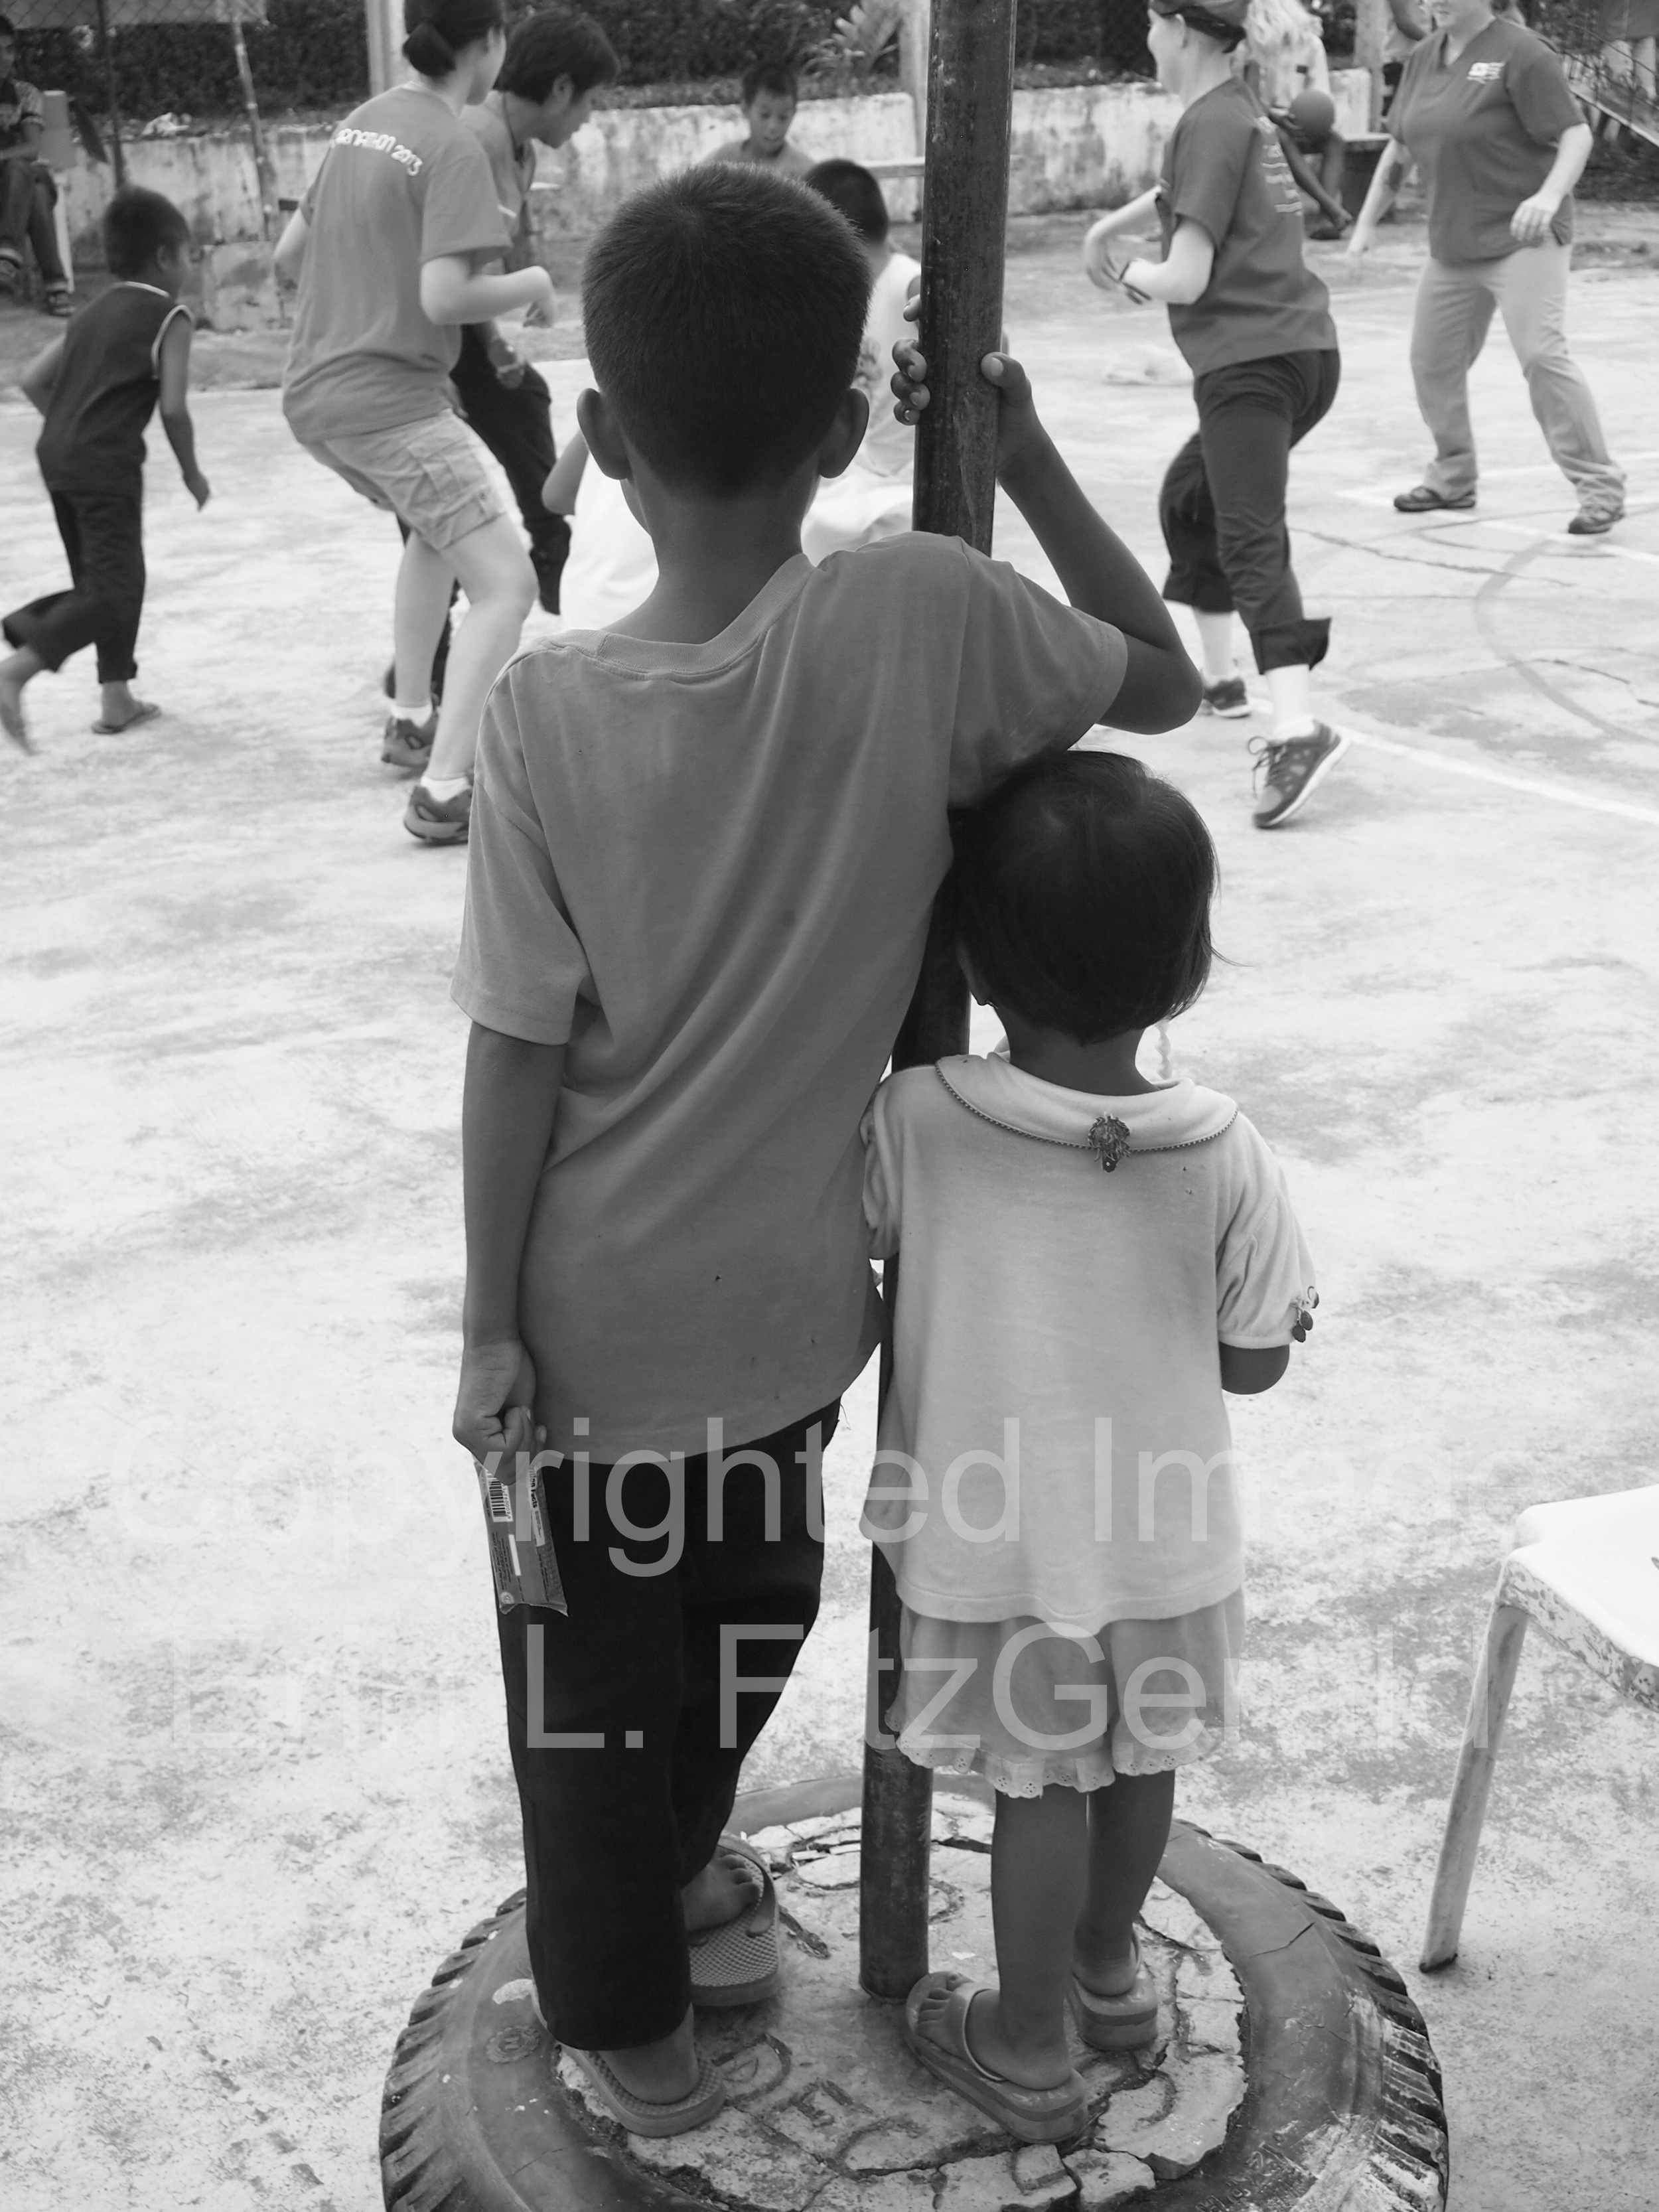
(739, 1964)
(645, 2116)
(1121, 2023)
(58, 302)
(1030, 2115)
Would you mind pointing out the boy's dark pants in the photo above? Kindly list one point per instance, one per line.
(1222, 506)
(103, 535)
(650, 1664)
(515, 422)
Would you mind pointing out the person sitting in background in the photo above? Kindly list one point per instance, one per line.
(770, 96)
(871, 498)
(28, 194)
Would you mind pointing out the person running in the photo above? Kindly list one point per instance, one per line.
(556, 62)
(97, 385)
(1058, 1331)
(1255, 325)
(1484, 111)
(386, 246)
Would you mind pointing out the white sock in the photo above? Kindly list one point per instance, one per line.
(444, 787)
(1215, 641)
(415, 714)
(1291, 691)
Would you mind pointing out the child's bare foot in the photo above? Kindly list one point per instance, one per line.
(662, 2072)
(14, 673)
(727, 1887)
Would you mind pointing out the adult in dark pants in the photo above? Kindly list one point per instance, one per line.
(556, 62)
(1255, 325)
(1485, 112)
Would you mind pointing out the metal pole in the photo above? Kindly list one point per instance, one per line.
(964, 215)
(268, 219)
(115, 155)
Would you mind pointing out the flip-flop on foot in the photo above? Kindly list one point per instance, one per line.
(739, 1964)
(144, 711)
(645, 2116)
(1119, 2023)
(1030, 2115)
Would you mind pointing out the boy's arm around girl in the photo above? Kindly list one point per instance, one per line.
(513, 1084)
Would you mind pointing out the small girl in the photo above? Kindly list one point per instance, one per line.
(1089, 1260)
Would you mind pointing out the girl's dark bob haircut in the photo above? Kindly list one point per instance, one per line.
(1082, 896)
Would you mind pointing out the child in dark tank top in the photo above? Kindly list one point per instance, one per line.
(98, 387)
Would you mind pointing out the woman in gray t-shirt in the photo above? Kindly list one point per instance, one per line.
(1484, 111)
(388, 249)
(1255, 325)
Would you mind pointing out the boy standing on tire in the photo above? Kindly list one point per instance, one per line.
(705, 845)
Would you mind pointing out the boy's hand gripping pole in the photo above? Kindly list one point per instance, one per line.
(971, 75)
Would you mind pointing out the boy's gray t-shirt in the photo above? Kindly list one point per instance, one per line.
(707, 870)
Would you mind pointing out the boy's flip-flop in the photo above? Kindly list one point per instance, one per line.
(739, 1964)
(1031, 2115)
(1121, 2023)
(145, 712)
(645, 2116)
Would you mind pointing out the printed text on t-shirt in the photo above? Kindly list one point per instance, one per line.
(1287, 198)
(379, 142)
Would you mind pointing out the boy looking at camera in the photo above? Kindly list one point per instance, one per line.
(705, 846)
(771, 97)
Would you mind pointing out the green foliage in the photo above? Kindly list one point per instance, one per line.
(308, 53)
(313, 54)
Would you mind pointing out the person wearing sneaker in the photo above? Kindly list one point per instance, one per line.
(1484, 111)
(391, 249)
(1255, 325)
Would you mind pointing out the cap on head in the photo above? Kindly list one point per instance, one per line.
(1222, 20)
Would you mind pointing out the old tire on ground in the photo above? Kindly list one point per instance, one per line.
(1341, 2113)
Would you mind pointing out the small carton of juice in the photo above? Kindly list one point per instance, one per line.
(521, 1555)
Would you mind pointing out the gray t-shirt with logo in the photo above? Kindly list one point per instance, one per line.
(403, 182)
(1226, 170)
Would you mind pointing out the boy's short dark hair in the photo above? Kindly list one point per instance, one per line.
(855, 192)
(770, 77)
(724, 310)
(1082, 896)
(556, 42)
(137, 224)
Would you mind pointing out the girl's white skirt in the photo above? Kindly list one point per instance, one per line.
(1028, 1707)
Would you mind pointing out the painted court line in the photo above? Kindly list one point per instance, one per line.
(1383, 495)
(1578, 546)
(1477, 773)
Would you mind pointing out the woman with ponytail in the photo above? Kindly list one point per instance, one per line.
(1255, 325)
(390, 247)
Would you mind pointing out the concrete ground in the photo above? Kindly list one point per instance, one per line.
(256, 1781)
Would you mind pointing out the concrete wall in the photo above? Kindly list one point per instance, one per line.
(1074, 146)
